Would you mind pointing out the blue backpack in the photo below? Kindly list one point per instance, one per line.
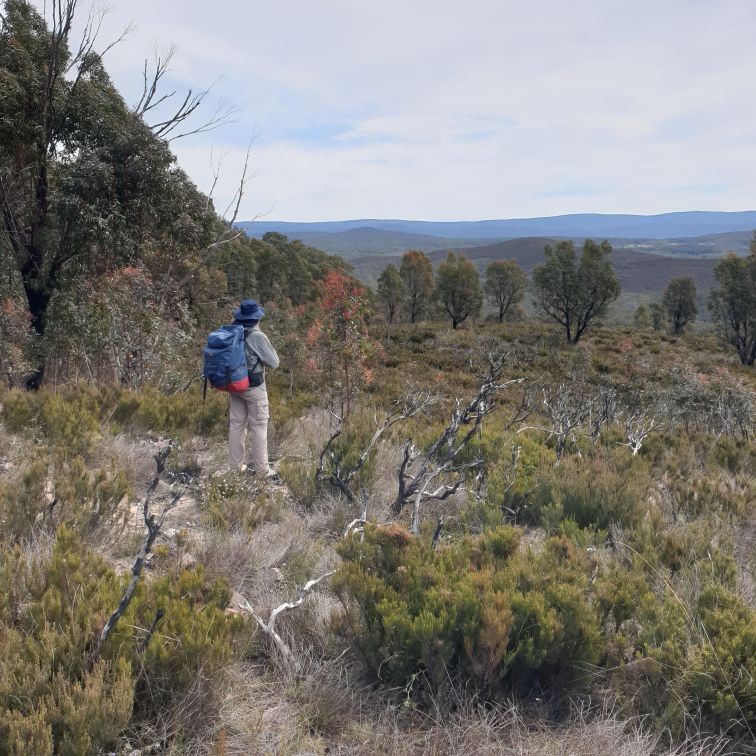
(225, 360)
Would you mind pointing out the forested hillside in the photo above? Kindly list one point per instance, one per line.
(489, 529)
(120, 261)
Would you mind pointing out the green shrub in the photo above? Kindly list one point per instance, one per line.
(53, 697)
(595, 492)
(477, 607)
(19, 409)
(299, 477)
(349, 445)
(697, 659)
(177, 414)
(681, 648)
(22, 499)
(193, 638)
(514, 465)
(722, 667)
(68, 425)
(736, 455)
(52, 489)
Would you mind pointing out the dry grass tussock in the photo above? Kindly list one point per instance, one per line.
(328, 710)
(134, 456)
(303, 438)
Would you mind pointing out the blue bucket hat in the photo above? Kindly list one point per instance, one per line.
(249, 310)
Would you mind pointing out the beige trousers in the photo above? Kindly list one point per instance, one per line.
(249, 409)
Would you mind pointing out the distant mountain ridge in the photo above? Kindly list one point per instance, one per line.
(358, 243)
(661, 226)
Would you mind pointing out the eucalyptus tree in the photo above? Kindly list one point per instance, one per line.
(679, 302)
(416, 271)
(392, 292)
(458, 288)
(733, 303)
(89, 184)
(505, 286)
(575, 292)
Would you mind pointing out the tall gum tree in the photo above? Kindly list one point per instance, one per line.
(679, 302)
(505, 286)
(86, 185)
(391, 291)
(416, 271)
(733, 303)
(575, 293)
(458, 288)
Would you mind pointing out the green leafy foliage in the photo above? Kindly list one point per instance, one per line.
(593, 492)
(505, 287)
(458, 288)
(416, 272)
(52, 696)
(233, 502)
(478, 607)
(679, 302)
(392, 291)
(733, 303)
(574, 293)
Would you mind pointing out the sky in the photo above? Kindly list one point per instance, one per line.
(460, 110)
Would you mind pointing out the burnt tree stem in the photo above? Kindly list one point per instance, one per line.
(153, 529)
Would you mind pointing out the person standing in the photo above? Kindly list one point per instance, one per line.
(249, 409)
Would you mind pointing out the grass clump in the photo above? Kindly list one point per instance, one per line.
(237, 502)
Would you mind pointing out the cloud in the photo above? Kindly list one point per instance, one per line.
(443, 111)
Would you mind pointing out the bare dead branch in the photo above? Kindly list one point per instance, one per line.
(151, 82)
(524, 408)
(437, 532)
(416, 477)
(169, 127)
(638, 426)
(566, 409)
(159, 614)
(358, 524)
(153, 529)
(269, 627)
(330, 462)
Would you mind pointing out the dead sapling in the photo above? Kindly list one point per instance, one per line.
(638, 427)
(419, 471)
(523, 408)
(153, 529)
(603, 411)
(566, 410)
(358, 524)
(331, 467)
(510, 478)
(269, 627)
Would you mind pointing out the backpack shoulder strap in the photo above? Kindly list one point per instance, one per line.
(247, 331)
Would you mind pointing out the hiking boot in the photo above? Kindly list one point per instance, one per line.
(273, 477)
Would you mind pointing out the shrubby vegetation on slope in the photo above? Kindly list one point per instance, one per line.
(503, 514)
(586, 571)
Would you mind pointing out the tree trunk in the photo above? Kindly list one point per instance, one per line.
(749, 356)
(38, 301)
